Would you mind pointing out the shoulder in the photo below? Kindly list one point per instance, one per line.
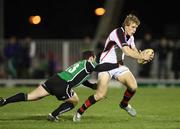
(119, 35)
(118, 31)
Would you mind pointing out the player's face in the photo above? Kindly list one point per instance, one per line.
(92, 59)
(131, 28)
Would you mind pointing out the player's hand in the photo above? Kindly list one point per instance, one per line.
(146, 56)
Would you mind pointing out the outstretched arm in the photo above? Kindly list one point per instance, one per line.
(106, 67)
(101, 67)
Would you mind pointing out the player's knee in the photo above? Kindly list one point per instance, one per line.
(74, 100)
(99, 96)
(133, 88)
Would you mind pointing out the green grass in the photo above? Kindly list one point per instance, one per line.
(158, 108)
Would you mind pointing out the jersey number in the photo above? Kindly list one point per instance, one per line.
(71, 70)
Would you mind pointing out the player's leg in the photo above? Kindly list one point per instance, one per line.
(102, 86)
(36, 94)
(68, 105)
(129, 81)
(100, 93)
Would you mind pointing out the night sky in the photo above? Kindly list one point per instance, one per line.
(160, 17)
(76, 18)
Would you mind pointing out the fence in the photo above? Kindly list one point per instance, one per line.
(63, 52)
(66, 52)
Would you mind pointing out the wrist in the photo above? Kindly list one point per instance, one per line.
(141, 56)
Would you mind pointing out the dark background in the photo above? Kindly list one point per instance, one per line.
(76, 18)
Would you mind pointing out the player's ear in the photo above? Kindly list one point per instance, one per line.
(91, 58)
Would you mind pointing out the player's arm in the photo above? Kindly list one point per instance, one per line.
(101, 67)
(134, 53)
(106, 67)
(119, 38)
(90, 85)
(135, 49)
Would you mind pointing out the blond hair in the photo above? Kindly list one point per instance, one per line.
(131, 19)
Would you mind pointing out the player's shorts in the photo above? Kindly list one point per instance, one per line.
(117, 72)
(58, 87)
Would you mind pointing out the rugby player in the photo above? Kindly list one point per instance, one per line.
(61, 85)
(119, 43)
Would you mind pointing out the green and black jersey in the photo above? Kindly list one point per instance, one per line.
(80, 71)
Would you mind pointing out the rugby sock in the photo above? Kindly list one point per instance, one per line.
(89, 102)
(16, 98)
(127, 96)
(64, 107)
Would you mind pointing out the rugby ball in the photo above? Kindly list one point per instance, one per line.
(147, 51)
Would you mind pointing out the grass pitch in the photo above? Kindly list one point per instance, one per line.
(157, 108)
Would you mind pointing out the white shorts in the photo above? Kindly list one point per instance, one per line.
(117, 72)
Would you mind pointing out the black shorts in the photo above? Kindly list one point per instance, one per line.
(58, 87)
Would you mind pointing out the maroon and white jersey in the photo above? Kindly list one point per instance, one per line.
(113, 47)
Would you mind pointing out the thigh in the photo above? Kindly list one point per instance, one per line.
(37, 93)
(102, 84)
(58, 87)
(103, 80)
(128, 80)
(63, 92)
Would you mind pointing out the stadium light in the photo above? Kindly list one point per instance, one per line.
(35, 19)
(100, 11)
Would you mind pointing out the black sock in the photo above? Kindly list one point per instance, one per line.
(89, 102)
(64, 107)
(16, 98)
(127, 97)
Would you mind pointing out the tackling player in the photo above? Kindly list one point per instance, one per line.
(61, 84)
(119, 43)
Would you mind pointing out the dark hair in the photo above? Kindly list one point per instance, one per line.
(131, 18)
(87, 54)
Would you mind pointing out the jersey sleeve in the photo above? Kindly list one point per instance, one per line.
(132, 42)
(106, 67)
(90, 67)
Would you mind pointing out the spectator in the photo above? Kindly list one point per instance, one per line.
(23, 60)
(147, 43)
(51, 64)
(2, 67)
(28, 55)
(163, 51)
(175, 66)
(11, 49)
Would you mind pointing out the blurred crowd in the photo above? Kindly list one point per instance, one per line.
(167, 52)
(19, 59)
